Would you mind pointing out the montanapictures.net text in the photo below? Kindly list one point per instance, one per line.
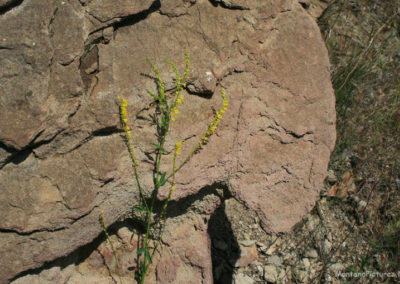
(369, 274)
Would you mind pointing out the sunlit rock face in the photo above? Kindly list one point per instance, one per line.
(62, 156)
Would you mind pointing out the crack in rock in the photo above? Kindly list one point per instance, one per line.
(30, 233)
(19, 155)
(123, 21)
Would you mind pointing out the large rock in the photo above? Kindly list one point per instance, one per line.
(62, 157)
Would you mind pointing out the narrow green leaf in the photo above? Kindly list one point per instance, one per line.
(153, 95)
(139, 208)
(140, 251)
(158, 147)
(146, 268)
(154, 144)
(147, 255)
(164, 122)
(162, 179)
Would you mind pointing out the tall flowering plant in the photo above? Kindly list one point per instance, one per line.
(166, 111)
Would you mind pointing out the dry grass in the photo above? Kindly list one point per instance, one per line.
(363, 38)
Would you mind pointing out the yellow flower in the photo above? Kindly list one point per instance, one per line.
(123, 113)
(187, 65)
(175, 109)
(178, 146)
(217, 118)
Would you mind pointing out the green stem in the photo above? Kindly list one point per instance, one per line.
(164, 210)
(188, 157)
(103, 224)
(165, 112)
(156, 188)
(135, 170)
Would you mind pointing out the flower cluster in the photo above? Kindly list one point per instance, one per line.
(124, 121)
(124, 118)
(180, 85)
(178, 146)
(175, 109)
(187, 64)
(217, 118)
(160, 83)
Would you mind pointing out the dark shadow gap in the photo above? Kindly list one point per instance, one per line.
(133, 19)
(82, 253)
(179, 207)
(225, 250)
(76, 257)
(19, 156)
(228, 5)
(203, 94)
(11, 5)
(106, 131)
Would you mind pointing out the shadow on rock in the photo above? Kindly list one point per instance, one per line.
(225, 250)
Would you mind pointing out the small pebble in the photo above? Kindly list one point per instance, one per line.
(331, 178)
(275, 260)
(247, 243)
(362, 204)
(326, 247)
(312, 253)
(270, 273)
(242, 279)
(306, 263)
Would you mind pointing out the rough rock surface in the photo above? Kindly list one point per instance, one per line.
(62, 157)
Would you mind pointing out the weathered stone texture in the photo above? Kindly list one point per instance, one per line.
(62, 157)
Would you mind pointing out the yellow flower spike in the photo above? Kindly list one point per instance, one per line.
(124, 120)
(187, 65)
(123, 112)
(217, 118)
(178, 146)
